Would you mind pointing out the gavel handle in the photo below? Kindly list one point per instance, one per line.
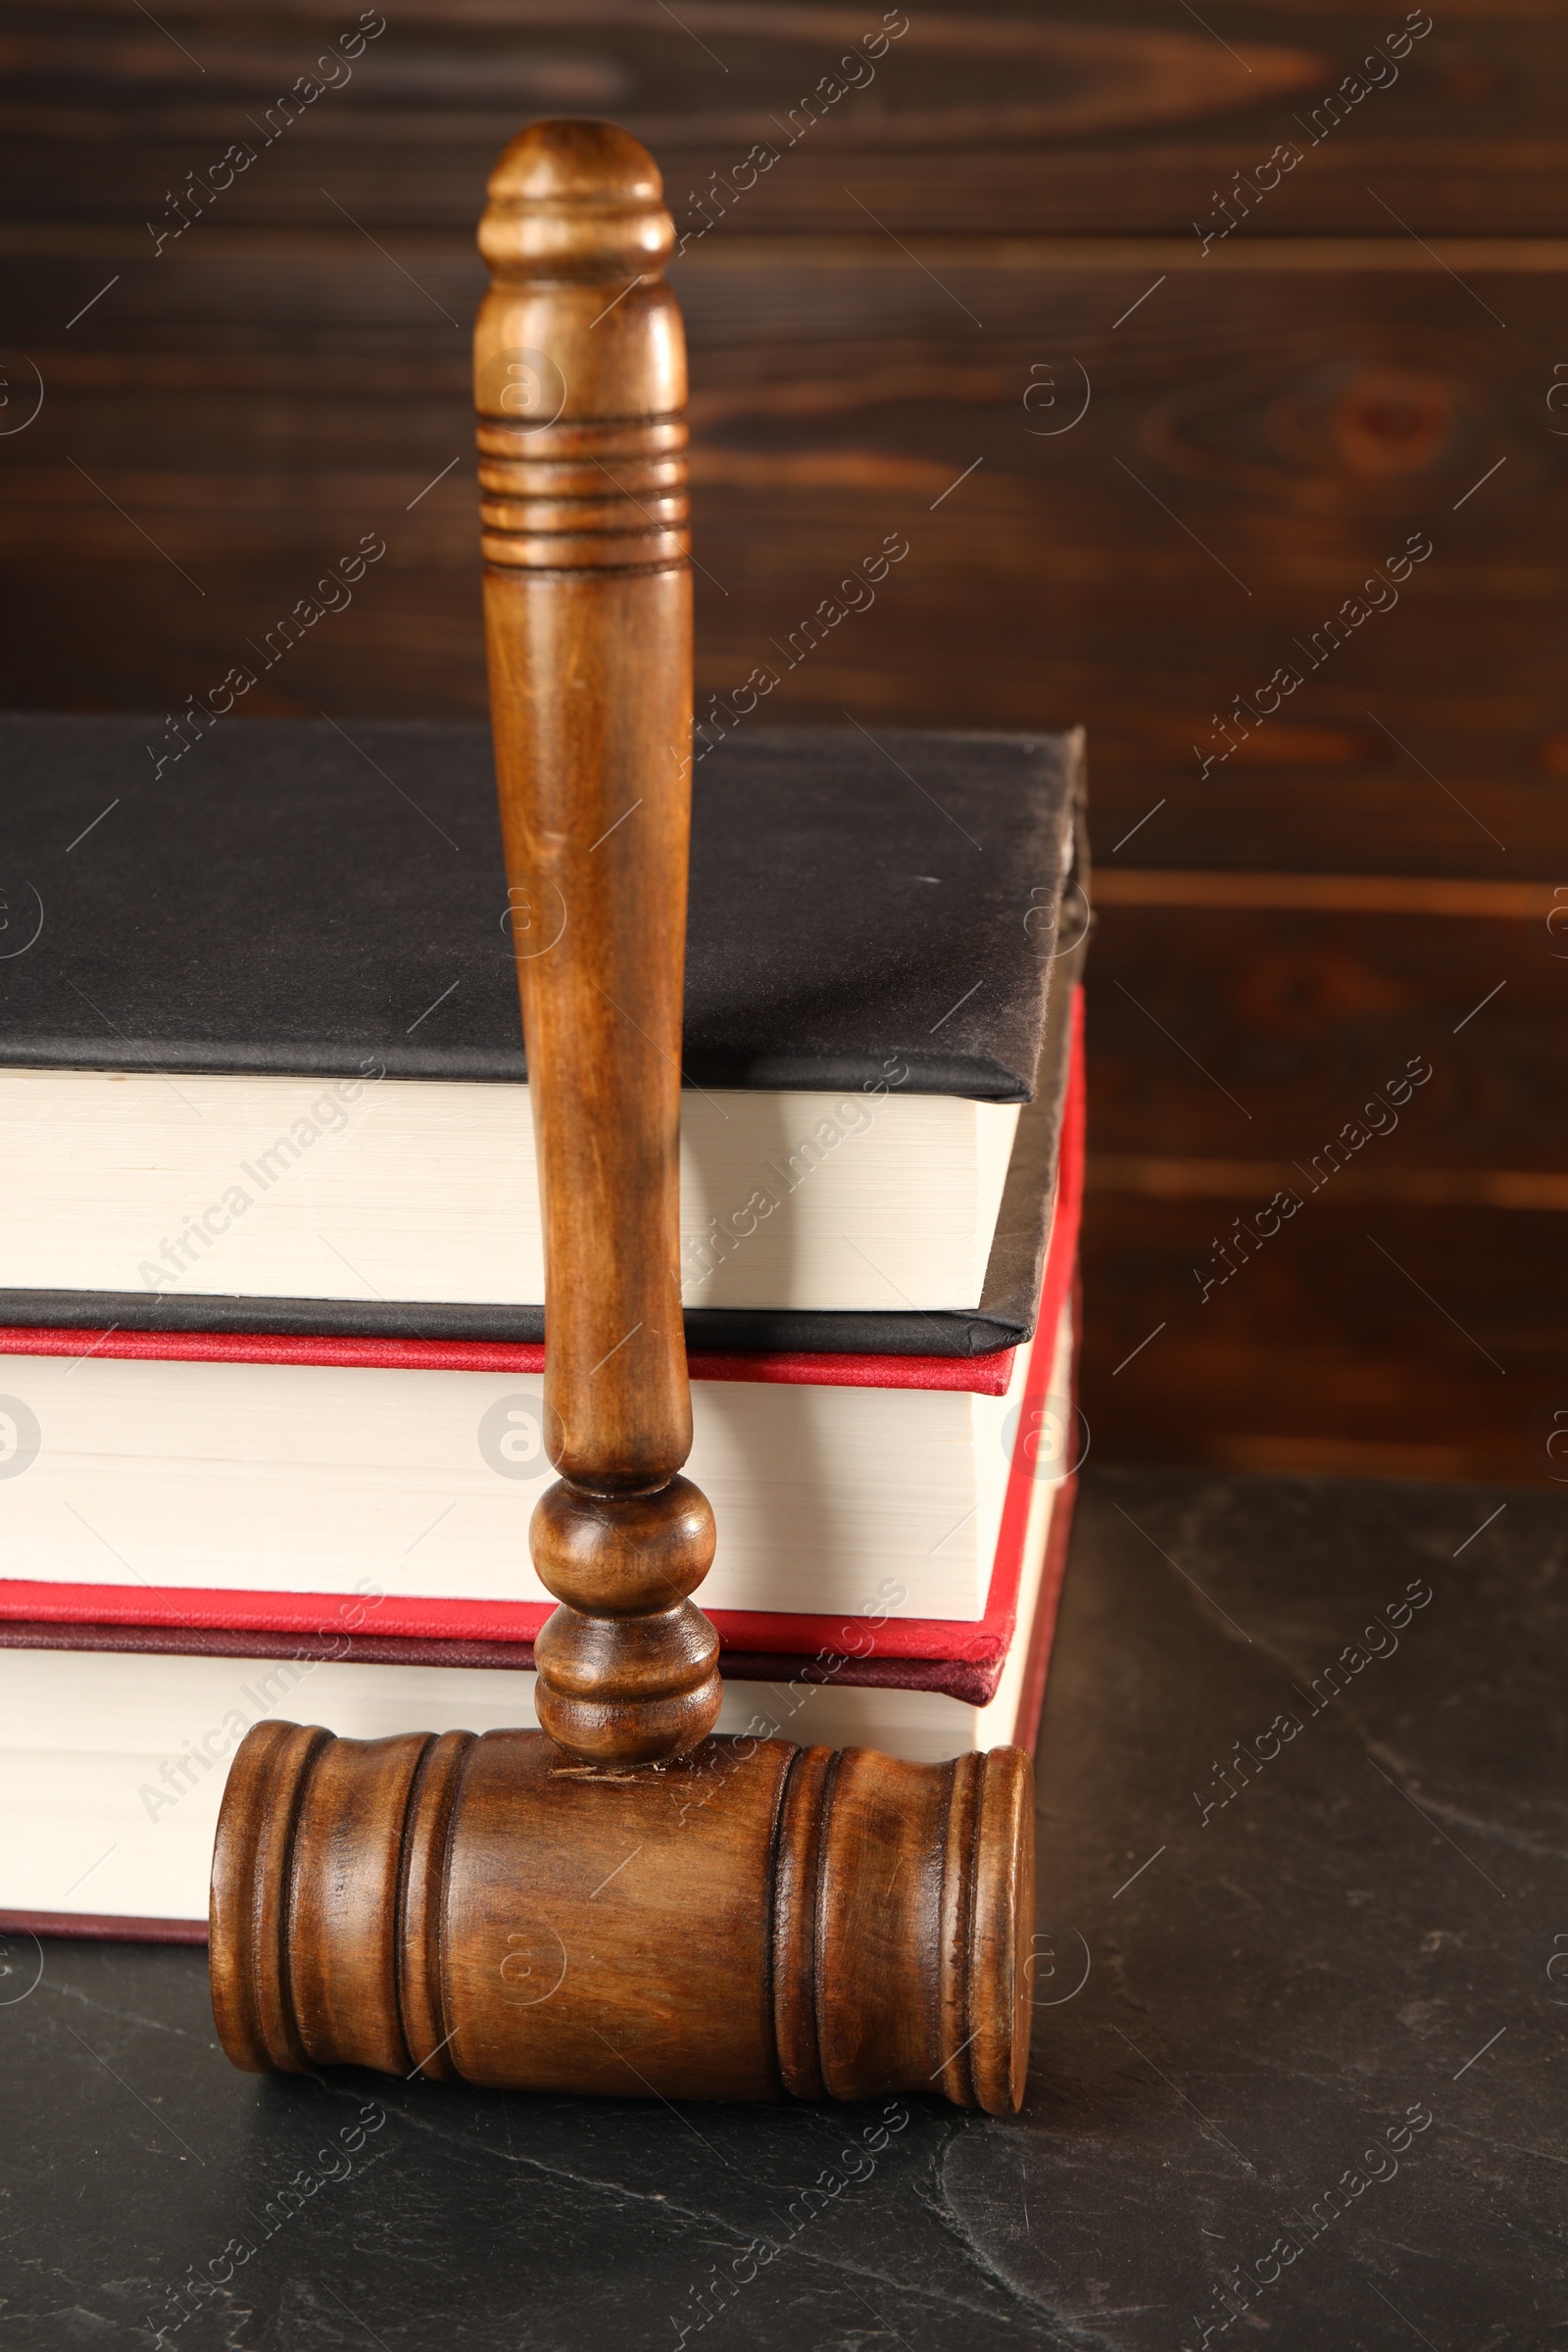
(580, 364)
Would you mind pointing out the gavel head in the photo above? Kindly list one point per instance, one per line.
(752, 1921)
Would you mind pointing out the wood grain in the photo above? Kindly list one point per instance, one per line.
(1300, 395)
(1302, 435)
(1368, 1338)
(754, 1921)
(1257, 1034)
(1048, 119)
(580, 373)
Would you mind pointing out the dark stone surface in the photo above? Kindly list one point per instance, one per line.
(1265, 2000)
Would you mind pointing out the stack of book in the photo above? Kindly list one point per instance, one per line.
(271, 1265)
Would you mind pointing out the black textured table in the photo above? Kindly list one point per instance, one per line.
(1299, 2080)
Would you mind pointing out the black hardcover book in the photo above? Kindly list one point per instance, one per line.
(315, 902)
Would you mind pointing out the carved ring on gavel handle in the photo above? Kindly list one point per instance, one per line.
(623, 1902)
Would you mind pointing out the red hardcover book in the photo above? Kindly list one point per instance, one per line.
(414, 1628)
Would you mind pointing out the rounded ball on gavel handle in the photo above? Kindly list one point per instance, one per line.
(754, 1921)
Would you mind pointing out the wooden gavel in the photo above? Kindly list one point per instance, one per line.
(620, 1903)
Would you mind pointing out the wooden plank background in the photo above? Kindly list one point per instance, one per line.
(979, 298)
